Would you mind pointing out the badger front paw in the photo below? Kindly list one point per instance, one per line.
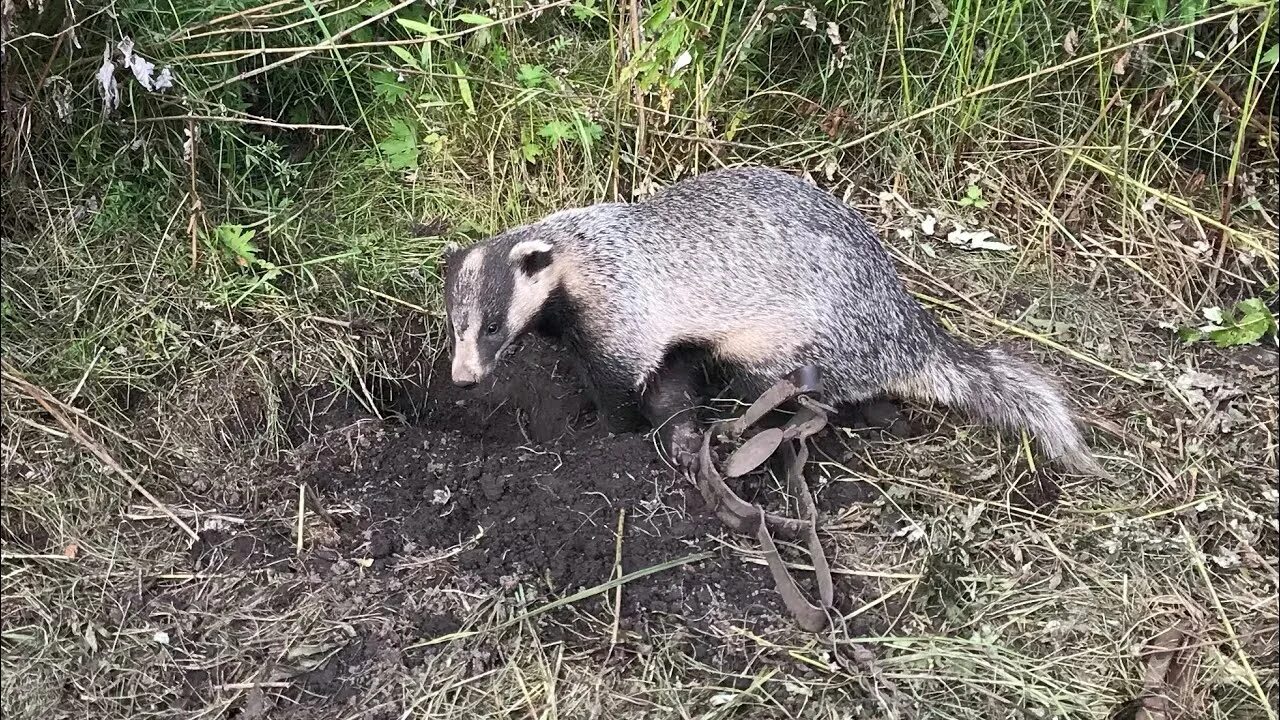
(683, 444)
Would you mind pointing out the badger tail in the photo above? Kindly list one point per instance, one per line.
(1001, 389)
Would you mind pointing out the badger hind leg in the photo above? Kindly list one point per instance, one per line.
(670, 399)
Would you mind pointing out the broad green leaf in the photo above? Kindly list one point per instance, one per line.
(1191, 10)
(555, 131)
(473, 19)
(387, 86)
(1272, 56)
(1249, 321)
(419, 27)
(239, 242)
(464, 88)
(1189, 335)
(585, 11)
(405, 56)
(532, 75)
(401, 149)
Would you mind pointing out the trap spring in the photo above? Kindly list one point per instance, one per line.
(742, 516)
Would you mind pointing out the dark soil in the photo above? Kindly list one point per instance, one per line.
(525, 461)
(511, 485)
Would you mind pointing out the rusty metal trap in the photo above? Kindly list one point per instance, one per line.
(754, 448)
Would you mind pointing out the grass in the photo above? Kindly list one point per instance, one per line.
(180, 273)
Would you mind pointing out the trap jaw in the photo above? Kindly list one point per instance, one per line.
(742, 516)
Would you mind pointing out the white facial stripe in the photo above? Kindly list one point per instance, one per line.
(466, 324)
(470, 270)
(466, 352)
(528, 247)
(528, 295)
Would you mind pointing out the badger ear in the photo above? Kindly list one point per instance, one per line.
(531, 256)
(448, 253)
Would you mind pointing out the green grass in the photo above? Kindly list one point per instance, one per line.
(1135, 178)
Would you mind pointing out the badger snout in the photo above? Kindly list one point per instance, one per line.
(464, 377)
(465, 374)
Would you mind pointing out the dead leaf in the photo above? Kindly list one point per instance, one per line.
(255, 704)
(1121, 64)
(928, 224)
(809, 20)
(107, 82)
(432, 227)
(976, 240)
(1071, 43)
(1166, 682)
(833, 34)
(832, 122)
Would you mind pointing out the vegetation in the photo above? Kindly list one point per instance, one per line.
(210, 201)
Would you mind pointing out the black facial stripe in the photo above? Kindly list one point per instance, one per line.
(495, 286)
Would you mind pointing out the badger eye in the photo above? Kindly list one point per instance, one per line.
(491, 329)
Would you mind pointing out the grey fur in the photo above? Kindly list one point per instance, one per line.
(768, 273)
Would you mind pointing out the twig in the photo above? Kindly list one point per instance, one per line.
(250, 120)
(193, 223)
(6, 557)
(318, 506)
(1241, 657)
(251, 685)
(634, 21)
(302, 517)
(396, 300)
(44, 400)
(617, 573)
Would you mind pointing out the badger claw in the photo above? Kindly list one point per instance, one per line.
(683, 444)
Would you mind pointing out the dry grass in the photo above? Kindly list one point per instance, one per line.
(1129, 211)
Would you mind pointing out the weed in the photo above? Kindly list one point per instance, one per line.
(1248, 322)
(196, 265)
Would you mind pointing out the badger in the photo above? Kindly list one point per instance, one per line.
(751, 269)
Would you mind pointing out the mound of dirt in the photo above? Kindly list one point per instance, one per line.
(483, 491)
(520, 474)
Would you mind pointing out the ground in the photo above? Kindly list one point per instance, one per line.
(237, 484)
(444, 530)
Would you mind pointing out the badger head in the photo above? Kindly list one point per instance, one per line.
(493, 291)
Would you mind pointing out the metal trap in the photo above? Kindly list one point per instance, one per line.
(754, 448)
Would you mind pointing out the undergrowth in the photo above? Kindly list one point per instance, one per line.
(207, 199)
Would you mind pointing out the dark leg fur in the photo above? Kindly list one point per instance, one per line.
(610, 389)
(669, 402)
(607, 382)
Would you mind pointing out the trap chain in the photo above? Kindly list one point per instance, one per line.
(791, 441)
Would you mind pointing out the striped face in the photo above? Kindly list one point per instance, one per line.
(493, 291)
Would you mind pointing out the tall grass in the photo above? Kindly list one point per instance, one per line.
(200, 251)
(281, 174)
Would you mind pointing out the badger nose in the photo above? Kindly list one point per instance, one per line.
(464, 383)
